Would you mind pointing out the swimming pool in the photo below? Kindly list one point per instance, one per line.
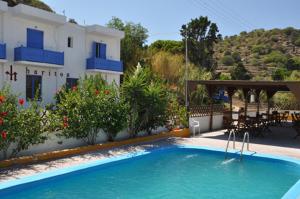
(172, 172)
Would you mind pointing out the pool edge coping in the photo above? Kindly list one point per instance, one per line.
(293, 192)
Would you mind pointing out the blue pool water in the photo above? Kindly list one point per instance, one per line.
(168, 173)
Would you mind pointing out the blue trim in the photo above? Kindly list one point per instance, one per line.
(104, 64)
(2, 51)
(293, 192)
(39, 55)
(102, 51)
(35, 38)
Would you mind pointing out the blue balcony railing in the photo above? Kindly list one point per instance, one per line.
(2, 51)
(39, 55)
(104, 64)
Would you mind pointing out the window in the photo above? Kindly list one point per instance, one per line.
(70, 42)
(71, 82)
(33, 86)
(99, 50)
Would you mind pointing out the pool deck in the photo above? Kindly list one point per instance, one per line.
(279, 142)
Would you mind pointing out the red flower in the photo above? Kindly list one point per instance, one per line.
(65, 118)
(4, 113)
(1, 121)
(2, 98)
(74, 88)
(106, 92)
(66, 124)
(3, 135)
(97, 92)
(21, 101)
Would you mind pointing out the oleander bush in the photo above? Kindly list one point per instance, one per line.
(85, 110)
(93, 106)
(20, 127)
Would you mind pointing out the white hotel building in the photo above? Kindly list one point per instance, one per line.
(40, 49)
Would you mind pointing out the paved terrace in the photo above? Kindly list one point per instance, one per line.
(279, 142)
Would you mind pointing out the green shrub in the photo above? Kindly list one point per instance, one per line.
(275, 57)
(20, 127)
(297, 42)
(261, 49)
(293, 63)
(225, 76)
(85, 110)
(274, 38)
(239, 72)
(147, 99)
(236, 56)
(228, 60)
(279, 73)
(177, 113)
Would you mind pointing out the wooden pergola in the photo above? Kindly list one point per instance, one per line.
(256, 87)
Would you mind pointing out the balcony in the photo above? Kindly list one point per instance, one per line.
(39, 57)
(104, 65)
(3, 51)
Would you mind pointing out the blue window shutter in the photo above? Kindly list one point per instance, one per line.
(103, 51)
(35, 38)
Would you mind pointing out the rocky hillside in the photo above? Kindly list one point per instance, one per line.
(261, 51)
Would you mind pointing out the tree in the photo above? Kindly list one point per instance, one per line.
(170, 46)
(133, 44)
(239, 72)
(147, 100)
(201, 35)
(167, 66)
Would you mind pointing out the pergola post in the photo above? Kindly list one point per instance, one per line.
(230, 92)
(270, 94)
(210, 91)
(246, 95)
(257, 94)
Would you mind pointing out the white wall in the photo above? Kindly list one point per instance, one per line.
(204, 123)
(13, 32)
(54, 142)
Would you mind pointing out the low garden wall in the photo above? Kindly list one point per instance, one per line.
(54, 142)
(204, 123)
(201, 113)
(83, 149)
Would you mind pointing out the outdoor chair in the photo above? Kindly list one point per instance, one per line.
(229, 124)
(284, 117)
(195, 124)
(242, 126)
(296, 124)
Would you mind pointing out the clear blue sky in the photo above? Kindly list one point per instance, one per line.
(163, 18)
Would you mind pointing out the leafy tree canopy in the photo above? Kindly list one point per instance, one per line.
(239, 72)
(133, 44)
(171, 46)
(201, 35)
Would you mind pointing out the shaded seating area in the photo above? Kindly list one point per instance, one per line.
(259, 124)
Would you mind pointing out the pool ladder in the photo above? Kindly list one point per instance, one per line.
(246, 138)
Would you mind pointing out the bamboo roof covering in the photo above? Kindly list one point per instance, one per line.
(268, 86)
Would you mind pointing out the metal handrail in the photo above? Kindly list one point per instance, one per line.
(246, 135)
(232, 133)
